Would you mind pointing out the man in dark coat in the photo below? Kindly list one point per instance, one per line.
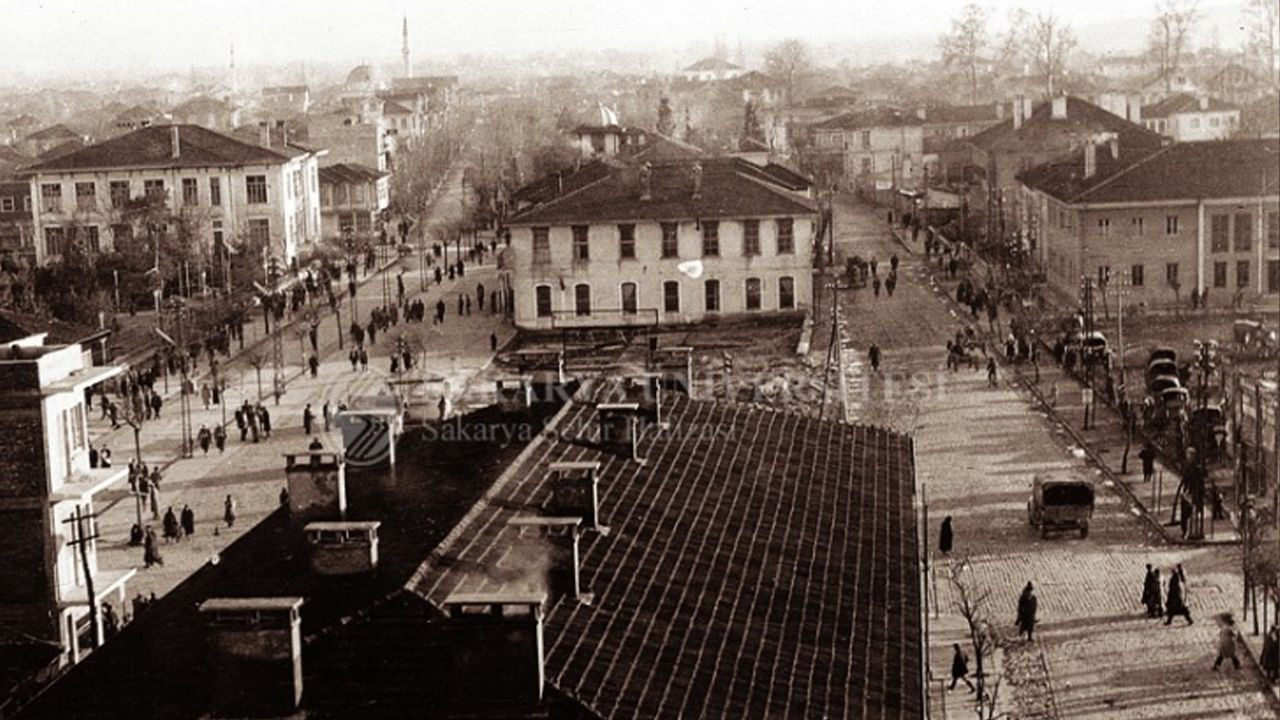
(172, 530)
(1151, 593)
(308, 417)
(1148, 457)
(873, 353)
(188, 521)
(960, 668)
(1270, 658)
(1175, 604)
(1027, 606)
(945, 536)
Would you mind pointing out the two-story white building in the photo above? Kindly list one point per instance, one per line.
(48, 559)
(352, 196)
(225, 189)
(1187, 118)
(662, 244)
(875, 149)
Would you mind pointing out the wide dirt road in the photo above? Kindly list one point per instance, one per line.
(1095, 655)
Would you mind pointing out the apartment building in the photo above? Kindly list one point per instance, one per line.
(877, 149)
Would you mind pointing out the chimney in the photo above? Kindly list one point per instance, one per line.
(697, 180)
(1204, 102)
(644, 391)
(317, 482)
(491, 636)
(559, 183)
(1017, 112)
(620, 428)
(674, 365)
(1090, 159)
(343, 547)
(284, 133)
(575, 492)
(549, 544)
(646, 181)
(175, 142)
(254, 650)
(1059, 110)
(264, 134)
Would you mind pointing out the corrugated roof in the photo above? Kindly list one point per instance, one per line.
(759, 564)
(731, 187)
(153, 147)
(1184, 103)
(1181, 171)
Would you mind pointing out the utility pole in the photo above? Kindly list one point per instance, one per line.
(80, 541)
(274, 273)
(184, 397)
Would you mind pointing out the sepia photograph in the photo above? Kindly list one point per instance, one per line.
(567, 360)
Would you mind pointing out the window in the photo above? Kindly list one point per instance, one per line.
(1195, 123)
(1219, 229)
(753, 293)
(582, 299)
(866, 166)
(6, 204)
(711, 295)
(215, 191)
(1242, 273)
(629, 300)
(670, 240)
(326, 195)
(866, 139)
(260, 231)
(55, 240)
(1244, 232)
(1213, 121)
(256, 188)
(1104, 275)
(671, 296)
(786, 293)
(581, 247)
(51, 198)
(26, 203)
(1171, 225)
(86, 196)
(363, 222)
(1136, 275)
(1104, 227)
(750, 237)
(1220, 274)
(153, 188)
(710, 239)
(626, 241)
(786, 236)
(1273, 230)
(542, 300)
(347, 221)
(1273, 276)
(357, 193)
(1137, 226)
(541, 245)
(190, 192)
(1171, 273)
(119, 190)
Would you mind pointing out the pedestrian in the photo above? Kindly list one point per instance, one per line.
(959, 668)
(151, 549)
(1151, 593)
(205, 438)
(480, 296)
(1148, 457)
(93, 457)
(991, 372)
(327, 412)
(220, 438)
(172, 530)
(156, 404)
(205, 394)
(264, 417)
(443, 407)
(308, 418)
(493, 342)
(364, 360)
(874, 354)
(875, 285)
(468, 303)
(893, 262)
(314, 363)
(1027, 606)
(1227, 642)
(354, 357)
(1270, 658)
(104, 457)
(890, 283)
(1175, 604)
(229, 511)
(945, 537)
(373, 333)
(440, 308)
(461, 305)
(188, 521)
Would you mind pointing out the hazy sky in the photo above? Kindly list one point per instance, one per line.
(67, 36)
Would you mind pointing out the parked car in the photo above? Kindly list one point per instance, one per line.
(1060, 504)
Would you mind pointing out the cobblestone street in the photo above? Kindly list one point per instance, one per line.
(1095, 655)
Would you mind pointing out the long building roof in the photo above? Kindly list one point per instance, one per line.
(153, 147)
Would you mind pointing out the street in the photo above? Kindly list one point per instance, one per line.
(1095, 655)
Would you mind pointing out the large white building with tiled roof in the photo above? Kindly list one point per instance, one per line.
(664, 244)
(225, 189)
(1186, 118)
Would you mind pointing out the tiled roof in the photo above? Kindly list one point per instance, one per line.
(712, 64)
(391, 107)
(153, 147)
(137, 114)
(731, 187)
(54, 132)
(1184, 103)
(552, 185)
(658, 148)
(962, 114)
(202, 105)
(23, 120)
(876, 117)
(343, 173)
(1181, 171)
(1082, 117)
(758, 564)
(15, 326)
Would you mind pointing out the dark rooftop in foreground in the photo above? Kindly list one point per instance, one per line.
(758, 564)
(153, 146)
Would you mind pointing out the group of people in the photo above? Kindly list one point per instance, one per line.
(890, 282)
(253, 420)
(1170, 603)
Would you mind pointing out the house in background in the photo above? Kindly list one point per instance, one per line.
(352, 198)
(19, 127)
(871, 150)
(17, 230)
(1261, 118)
(51, 138)
(1187, 118)
(207, 112)
(287, 99)
(711, 69)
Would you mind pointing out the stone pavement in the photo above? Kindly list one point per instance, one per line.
(253, 473)
(978, 447)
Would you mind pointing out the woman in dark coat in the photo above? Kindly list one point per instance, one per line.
(1027, 606)
(1151, 593)
(959, 668)
(945, 536)
(1174, 604)
(1270, 659)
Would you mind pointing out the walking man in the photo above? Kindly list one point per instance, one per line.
(1175, 605)
(1148, 457)
(308, 418)
(1027, 607)
(1227, 642)
(945, 537)
(874, 354)
(991, 372)
(327, 412)
(220, 438)
(960, 668)
(229, 511)
(1151, 593)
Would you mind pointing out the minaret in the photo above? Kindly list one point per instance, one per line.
(235, 81)
(404, 49)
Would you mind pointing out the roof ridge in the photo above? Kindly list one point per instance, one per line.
(1123, 171)
(571, 193)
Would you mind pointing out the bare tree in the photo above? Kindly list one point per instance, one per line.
(790, 61)
(257, 359)
(965, 45)
(1170, 35)
(1262, 21)
(1048, 42)
(971, 602)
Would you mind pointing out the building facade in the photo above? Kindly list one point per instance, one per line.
(17, 231)
(672, 243)
(352, 197)
(1188, 118)
(222, 188)
(50, 560)
(1188, 217)
(877, 149)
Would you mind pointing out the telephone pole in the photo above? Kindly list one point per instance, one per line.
(274, 273)
(80, 541)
